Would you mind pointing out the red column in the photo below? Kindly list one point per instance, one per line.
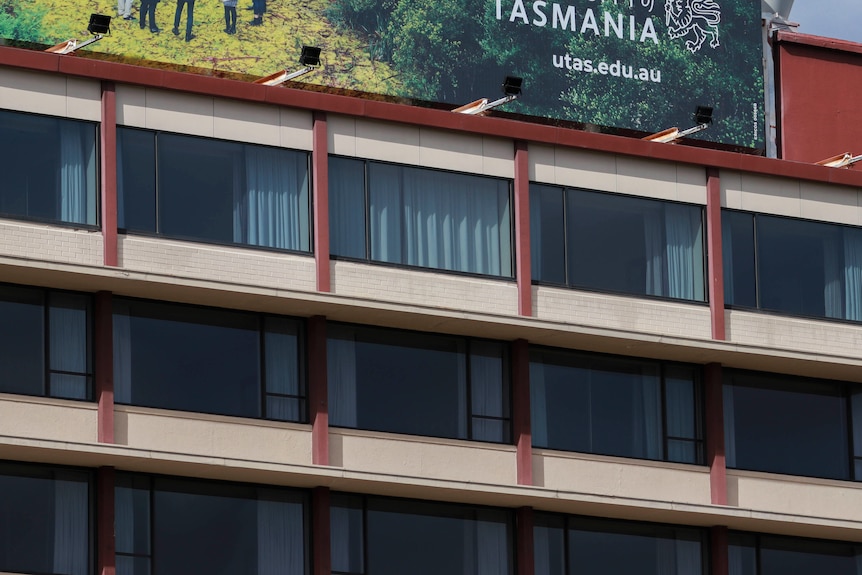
(521, 410)
(715, 433)
(105, 555)
(718, 551)
(320, 177)
(104, 369)
(522, 229)
(524, 543)
(713, 240)
(317, 390)
(321, 558)
(108, 141)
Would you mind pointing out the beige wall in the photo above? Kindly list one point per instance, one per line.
(417, 146)
(620, 174)
(50, 94)
(48, 418)
(48, 243)
(213, 117)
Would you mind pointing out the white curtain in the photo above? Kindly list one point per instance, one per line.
(858, 550)
(679, 407)
(727, 258)
(73, 175)
(71, 525)
(538, 404)
(386, 207)
(347, 207)
(853, 274)
(536, 234)
(666, 556)
(684, 233)
(833, 280)
(68, 346)
(346, 537)
(282, 369)
(491, 548)
(272, 210)
(486, 379)
(280, 540)
(653, 251)
(729, 427)
(646, 429)
(542, 549)
(463, 399)
(688, 557)
(341, 376)
(122, 353)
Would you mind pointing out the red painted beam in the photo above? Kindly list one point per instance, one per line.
(718, 556)
(524, 541)
(321, 533)
(522, 229)
(715, 433)
(320, 177)
(521, 410)
(104, 368)
(105, 556)
(317, 390)
(108, 138)
(713, 247)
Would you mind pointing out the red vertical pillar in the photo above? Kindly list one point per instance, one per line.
(522, 229)
(524, 523)
(320, 525)
(521, 410)
(320, 177)
(104, 368)
(715, 433)
(718, 551)
(108, 146)
(713, 240)
(105, 555)
(317, 392)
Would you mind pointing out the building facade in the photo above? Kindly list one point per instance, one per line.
(252, 329)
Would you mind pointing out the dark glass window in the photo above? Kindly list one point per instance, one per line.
(750, 554)
(423, 384)
(420, 217)
(45, 343)
(790, 425)
(574, 545)
(616, 243)
(379, 536)
(44, 520)
(208, 360)
(615, 406)
(212, 190)
(792, 266)
(168, 526)
(49, 168)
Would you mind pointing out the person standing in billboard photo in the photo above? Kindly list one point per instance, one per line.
(148, 10)
(230, 16)
(124, 9)
(190, 18)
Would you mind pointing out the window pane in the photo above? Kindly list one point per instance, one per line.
(136, 179)
(547, 234)
(347, 207)
(132, 514)
(69, 345)
(681, 407)
(779, 556)
(187, 358)
(133, 565)
(282, 369)
(549, 536)
(742, 554)
(737, 238)
(49, 168)
(787, 426)
(22, 341)
(489, 391)
(347, 551)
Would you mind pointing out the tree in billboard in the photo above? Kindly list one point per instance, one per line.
(18, 24)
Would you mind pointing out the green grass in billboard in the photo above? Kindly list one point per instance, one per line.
(641, 64)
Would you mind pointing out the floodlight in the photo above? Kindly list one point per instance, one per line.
(99, 26)
(702, 117)
(309, 58)
(844, 160)
(511, 90)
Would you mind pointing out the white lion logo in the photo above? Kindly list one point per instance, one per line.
(701, 17)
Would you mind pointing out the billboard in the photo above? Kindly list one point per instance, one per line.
(630, 64)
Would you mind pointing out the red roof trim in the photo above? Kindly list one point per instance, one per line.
(819, 41)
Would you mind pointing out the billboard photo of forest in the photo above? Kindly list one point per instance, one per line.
(631, 64)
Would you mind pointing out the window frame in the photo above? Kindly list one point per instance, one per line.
(756, 543)
(184, 238)
(567, 284)
(367, 259)
(97, 177)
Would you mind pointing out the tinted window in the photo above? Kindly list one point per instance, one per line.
(570, 545)
(769, 555)
(48, 167)
(786, 425)
(615, 406)
(207, 360)
(421, 217)
(802, 267)
(44, 520)
(58, 365)
(418, 537)
(200, 527)
(422, 384)
(617, 243)
(213, 190)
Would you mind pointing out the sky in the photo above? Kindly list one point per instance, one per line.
(831, 18)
